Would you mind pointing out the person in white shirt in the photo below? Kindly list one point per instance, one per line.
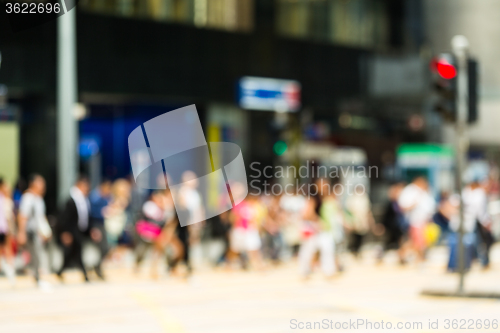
(292, 206)
(190, 201)
(31, 213)
(317, 233)
(6, 230)
(418, 205)
(475, 203)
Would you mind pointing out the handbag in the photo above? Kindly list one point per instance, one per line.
(308, 229)
(43, 226)
(147, 231)
(44, 229)
(431, 233)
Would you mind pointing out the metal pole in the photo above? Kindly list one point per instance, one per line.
(67, 130)
(460, 46)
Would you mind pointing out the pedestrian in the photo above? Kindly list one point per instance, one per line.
(99, 199)
(191, 206)
(30, 219)
(317, 234)
(6, 232)
(154, 229)
(271, 220)
(475, 213)
(393, 224)
(359, 219)
(176, 237)
(17, 193)
(418, 206)
(292, 206)
(220, 227)
(244, 238)
(75, 226)
(332, 214)
(445, 211)
(116, 216)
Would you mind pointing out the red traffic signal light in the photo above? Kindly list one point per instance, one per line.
(443, 68)
(445, 85)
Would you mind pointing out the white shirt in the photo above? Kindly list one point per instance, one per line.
(475, 209)
(418, 204)
(359, 208)
(32, 207)
(153, 212)
(192, 200)
(292, 203)
(82, 207)
(4, 225)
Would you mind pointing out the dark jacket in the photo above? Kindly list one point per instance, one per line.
(68, 221)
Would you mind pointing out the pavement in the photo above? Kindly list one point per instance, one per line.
(234, 301)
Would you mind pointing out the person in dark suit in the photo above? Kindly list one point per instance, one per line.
(75, 226)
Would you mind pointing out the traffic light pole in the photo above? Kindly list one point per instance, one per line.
(460, 49)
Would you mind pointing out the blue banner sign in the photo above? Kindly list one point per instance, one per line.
(258, 93)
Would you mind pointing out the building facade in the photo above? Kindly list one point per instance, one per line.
(138, 59)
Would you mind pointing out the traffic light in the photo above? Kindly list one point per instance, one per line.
(444, 70)
(472, 68)
(280, 147)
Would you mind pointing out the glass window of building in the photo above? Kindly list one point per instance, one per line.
(360, 23)
(231, 15)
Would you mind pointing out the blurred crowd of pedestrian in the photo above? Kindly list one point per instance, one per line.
(261, 231)
(414, 221)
